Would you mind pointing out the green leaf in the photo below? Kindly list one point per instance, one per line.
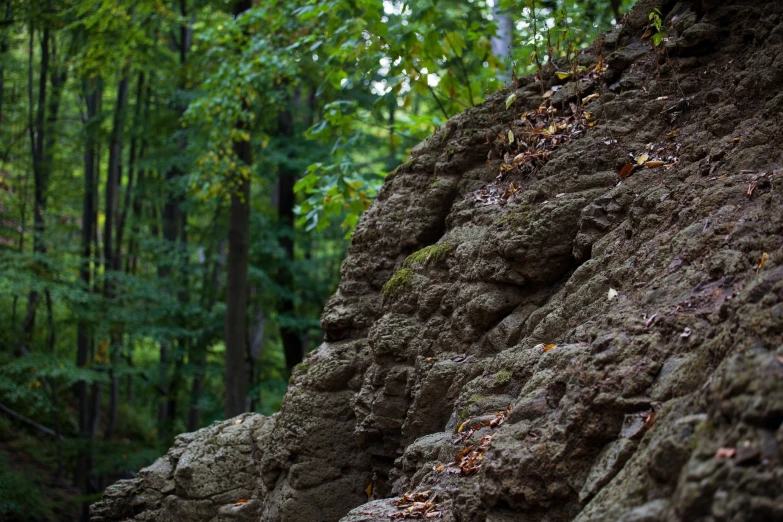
(510, 100)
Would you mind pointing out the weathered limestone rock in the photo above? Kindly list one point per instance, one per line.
(661, 403)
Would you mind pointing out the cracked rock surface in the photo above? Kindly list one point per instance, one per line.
(629, 323)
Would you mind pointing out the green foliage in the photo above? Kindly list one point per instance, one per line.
(660, 31)
(20, 496)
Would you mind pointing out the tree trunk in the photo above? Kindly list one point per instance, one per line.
(37, 135)
(292, 342)
(236, 285)
(199, 353)
(111, 252)
(83, 333)
(42, 147)
(174, 233)
(501, 42)
(236, 290)
(3, 52)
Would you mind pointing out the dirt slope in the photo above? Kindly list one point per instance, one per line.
(588, 347)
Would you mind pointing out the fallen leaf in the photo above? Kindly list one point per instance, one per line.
(462, 426)
(510, 100)
(242, 501)
(725, 453)
(549, 347)
(626, 171)
(686, 333)
(510, 137)
(654, 164)
(672, 134)
(590, 98)
(562, 75)
(764, 258)
(612, 294)
(440, 467)
(641, 160)
(651, 320)
(369, 491)
(238, 421)
(649, 419)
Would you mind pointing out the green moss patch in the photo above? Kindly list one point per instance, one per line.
(502, 377)
(517, 217)
(398, 281)
(430, 254)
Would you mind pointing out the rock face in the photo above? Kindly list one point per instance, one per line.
(662, 293)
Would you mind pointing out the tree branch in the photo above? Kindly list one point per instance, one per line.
(29, 422)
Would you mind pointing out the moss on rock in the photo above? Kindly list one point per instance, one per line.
(432, 253)
(399, 280)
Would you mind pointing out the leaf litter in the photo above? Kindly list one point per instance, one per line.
(530, 144)
(468, 460)
(417, 505)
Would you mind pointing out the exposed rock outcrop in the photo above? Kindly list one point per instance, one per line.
(662, 293)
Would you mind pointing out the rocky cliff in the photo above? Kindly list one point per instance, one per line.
(566, 305)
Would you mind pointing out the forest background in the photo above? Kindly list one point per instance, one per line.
(178, 184)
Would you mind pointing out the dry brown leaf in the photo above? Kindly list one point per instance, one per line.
(764, 258)
(725, 453)
(242, 501)
(369, 491)
(590, 98)
(649, 419)
(626, 171)
(654, 164)
(549, 347)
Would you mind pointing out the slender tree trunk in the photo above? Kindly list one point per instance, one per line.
(111, 251)
(174, 233)
(83, 332)
(37, 134)
(199, 353)
(42, 147)
(236, 376)
(502, 40)
(3, 52)
(127, 207)
(616, 9)
(292, 342)
(236, 290)
(53, 390)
